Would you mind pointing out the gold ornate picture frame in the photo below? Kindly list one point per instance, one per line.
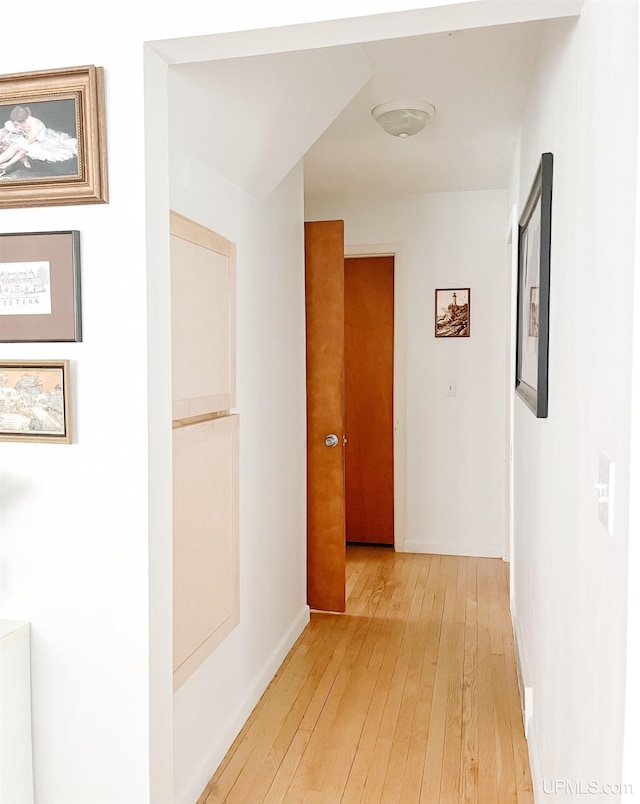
(53, 138)
(34, 401)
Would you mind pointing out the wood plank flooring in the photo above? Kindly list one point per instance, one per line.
(410, 696)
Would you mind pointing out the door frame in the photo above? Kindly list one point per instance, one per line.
(397, 251)
(510, 384)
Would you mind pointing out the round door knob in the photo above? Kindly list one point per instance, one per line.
(331, 440)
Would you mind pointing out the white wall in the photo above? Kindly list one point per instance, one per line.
(85, 529)
(571, 577)
(211, 707)
(455, 445)
(74, 518)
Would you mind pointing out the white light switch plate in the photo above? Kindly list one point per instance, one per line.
(450, 388)
(606, 488)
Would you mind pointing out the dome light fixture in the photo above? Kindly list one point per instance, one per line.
(403, 118)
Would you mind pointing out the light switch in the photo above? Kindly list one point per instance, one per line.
(605, 488)
(450, 388)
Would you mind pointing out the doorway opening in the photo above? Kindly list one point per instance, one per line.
(368, 397)
(396, 253)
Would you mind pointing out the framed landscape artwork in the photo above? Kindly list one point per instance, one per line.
(40, 287)
(34, 401)
(453, 311)
(534, 258)
(53, 138)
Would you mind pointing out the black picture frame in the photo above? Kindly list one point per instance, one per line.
(452, 313)
(532, 323)
(40, 298)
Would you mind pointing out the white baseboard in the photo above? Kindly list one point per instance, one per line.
(229, 731)
(526, 702)
(448, 549)
(525, 688)
(535, 765)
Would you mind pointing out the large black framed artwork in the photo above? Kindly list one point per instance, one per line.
(534, 258)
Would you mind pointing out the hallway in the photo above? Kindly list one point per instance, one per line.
(410, 696)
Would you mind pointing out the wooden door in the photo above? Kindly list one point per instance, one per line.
(326, 543)
(369, 399)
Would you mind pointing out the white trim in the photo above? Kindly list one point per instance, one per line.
(227, 732)
(631, 745)
(397, 251)
(160, 451)
(524, 678)
(535, 764)
(512, 291)
(526, 703)
(361, 25)
(447, 549)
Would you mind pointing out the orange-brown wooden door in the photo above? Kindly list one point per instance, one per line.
(326, 542)
(369, 399)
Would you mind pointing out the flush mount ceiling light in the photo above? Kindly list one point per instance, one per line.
(403, 118)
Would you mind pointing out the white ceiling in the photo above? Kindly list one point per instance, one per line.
(257, 116)
(477, 79)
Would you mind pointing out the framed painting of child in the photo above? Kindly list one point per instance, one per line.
(53, 138)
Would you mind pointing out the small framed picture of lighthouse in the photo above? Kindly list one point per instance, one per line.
(453, 307)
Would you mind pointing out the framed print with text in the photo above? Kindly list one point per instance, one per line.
(40, 287)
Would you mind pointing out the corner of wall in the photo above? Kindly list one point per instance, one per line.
(514, 173)
(227, 732)
(525, 690)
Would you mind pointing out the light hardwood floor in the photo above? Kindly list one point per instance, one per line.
(411, 696)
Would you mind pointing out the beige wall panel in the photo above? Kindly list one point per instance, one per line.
(205, 541)
(202, 319)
